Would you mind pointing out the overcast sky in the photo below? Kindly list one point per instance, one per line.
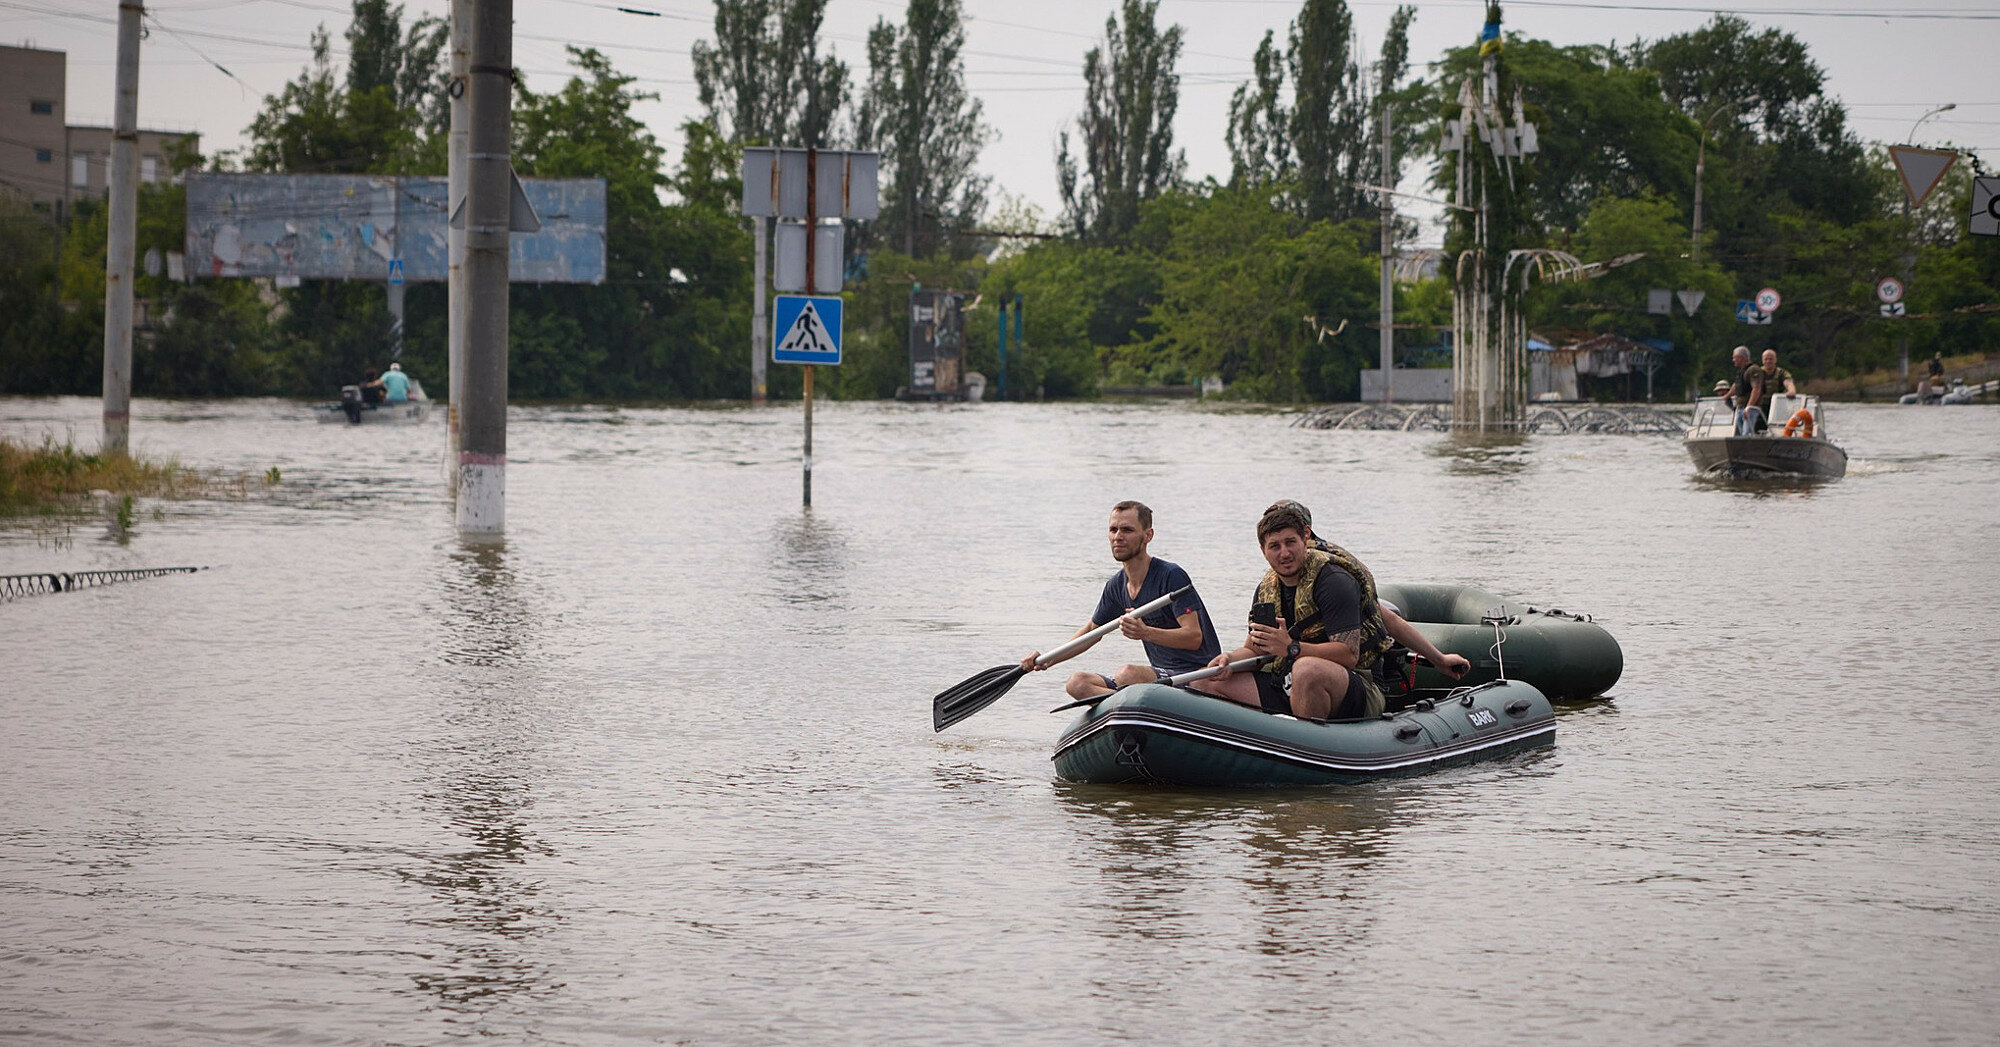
(1889, 62)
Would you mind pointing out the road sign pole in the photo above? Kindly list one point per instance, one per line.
(809, 436)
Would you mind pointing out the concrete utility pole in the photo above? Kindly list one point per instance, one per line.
(482, 456)
(123, 236)
(457, 147)
(1388, 263)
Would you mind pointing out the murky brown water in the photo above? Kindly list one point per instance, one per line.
(661, 769)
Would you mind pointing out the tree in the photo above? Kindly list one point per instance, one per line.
(1125, 134)
(1330, 113)
(1327, 140)
(764, 79)
(1259, 138)
(915, 109)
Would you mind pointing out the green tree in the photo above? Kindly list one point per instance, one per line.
(916, 111)
(1330, 113)
(1258, 135)
(1126, 133)
(764, 79)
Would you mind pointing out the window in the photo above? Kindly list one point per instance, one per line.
(149, 169)
(79, 170)
(45, 156)
(42, 108)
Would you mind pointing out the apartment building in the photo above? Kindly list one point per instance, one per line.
(49, 161)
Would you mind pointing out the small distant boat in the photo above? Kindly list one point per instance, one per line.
(1796, 443)
(355, 409)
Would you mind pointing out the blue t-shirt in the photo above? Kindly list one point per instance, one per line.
(1161, 578)
(395, 386)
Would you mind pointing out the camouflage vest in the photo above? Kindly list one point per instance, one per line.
(1374, 635)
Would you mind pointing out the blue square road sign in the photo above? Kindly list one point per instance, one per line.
(805, 330)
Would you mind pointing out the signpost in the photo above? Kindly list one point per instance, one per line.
(1985, 207)
(1768, 300)
(1921, 169)
(1890, 291)
(1748, 313)
(808, 185)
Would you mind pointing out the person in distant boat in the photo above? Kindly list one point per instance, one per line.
(395, 385)
(1746, 392)
(1936, 368)
(1178, 638)
(1776, 379)
(371, 390)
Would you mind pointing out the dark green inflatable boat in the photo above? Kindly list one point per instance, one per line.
(1165, 735)
(1566, 656)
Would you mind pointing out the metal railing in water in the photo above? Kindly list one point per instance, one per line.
(15, 586)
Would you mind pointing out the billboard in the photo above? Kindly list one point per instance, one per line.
(352, 227)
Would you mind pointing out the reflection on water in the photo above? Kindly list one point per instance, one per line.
(476, 778)
(808, 559)
(1472, 453)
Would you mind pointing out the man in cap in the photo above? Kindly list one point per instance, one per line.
(395, 385)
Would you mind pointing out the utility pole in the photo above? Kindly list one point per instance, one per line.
(123, 236)
(482, 456)
(1388, 263)
(457, 148)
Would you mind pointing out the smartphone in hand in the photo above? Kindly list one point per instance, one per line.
(1264, 613)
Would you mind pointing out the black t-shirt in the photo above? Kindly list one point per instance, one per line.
(1337, 596)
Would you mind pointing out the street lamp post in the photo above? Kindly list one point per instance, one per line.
(1700, 164)
(1910, 252)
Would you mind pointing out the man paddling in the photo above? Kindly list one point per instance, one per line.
(1178, 638)
(1323, 629)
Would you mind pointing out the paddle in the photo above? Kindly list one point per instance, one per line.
(984, 688)
(1240, 665)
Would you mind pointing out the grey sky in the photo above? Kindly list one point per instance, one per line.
(1888, 62)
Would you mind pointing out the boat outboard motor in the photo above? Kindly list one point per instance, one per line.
(350, 402)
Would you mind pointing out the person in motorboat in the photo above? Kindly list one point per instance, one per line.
(395, 385)
(1316, 617)
(1178, 638)
(1935, 369)
(1745, 393)
(1776, 379)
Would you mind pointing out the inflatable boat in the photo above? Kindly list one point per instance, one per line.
(1522, 657)
(1156, 734)
(1566, 656)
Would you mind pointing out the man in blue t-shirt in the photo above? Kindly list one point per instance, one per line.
(395, 385)
(1178, 637)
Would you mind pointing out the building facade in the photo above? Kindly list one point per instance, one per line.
(46, 160)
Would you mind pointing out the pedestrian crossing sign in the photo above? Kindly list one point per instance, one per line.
(806, 330)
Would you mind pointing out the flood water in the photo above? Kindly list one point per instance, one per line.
(660, 768)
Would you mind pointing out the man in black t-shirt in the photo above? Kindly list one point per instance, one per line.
(1178, 638)
(1325, 639)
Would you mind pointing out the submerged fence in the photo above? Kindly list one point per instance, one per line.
(15, 586)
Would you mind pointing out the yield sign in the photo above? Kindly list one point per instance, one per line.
(1922, 169)
(1690, 300)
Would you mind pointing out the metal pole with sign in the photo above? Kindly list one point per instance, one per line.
(806, 184)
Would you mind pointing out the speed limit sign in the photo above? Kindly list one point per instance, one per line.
(1889, 290)
(1767, 300)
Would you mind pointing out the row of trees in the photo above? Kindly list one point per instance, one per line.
(1267, 278)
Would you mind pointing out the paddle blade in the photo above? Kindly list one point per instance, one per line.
(977, 692)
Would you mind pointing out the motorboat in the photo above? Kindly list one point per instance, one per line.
(1795, 444)
(355, 408)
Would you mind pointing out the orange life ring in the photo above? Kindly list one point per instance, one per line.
(1800, 424)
